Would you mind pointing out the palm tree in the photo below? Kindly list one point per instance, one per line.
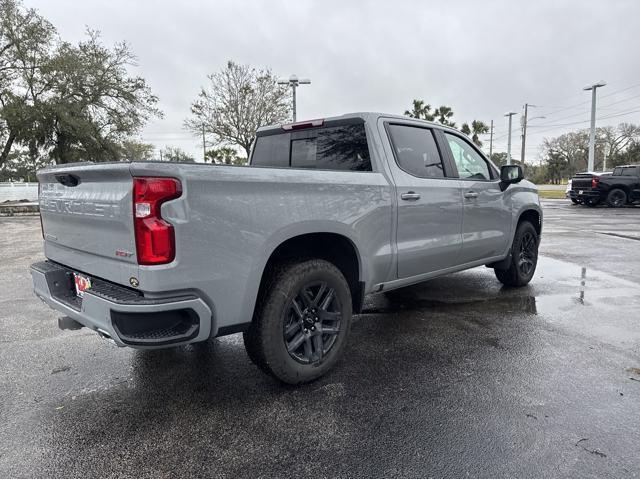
(443, 116)
(474, 131)
(420, 110)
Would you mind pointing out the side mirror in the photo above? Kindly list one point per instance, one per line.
(510, 174)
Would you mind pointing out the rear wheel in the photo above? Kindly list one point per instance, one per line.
(524, 257)
(616, 198)
(301, 323)
(574, 201)
(592, 202)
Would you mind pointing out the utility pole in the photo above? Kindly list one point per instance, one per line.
(293, 81)
(524, 132)
(204, 146)
(510, 115)
(592, 134)
(525, 123)
(491, 140)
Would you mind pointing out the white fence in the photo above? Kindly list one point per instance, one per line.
(18, 191)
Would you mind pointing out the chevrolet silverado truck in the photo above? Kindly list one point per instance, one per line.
(157, 254)
(617, 188)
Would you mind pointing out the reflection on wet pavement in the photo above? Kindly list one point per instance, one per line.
(559, 292)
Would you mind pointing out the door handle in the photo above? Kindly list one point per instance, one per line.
(471, 195)
(410, 196)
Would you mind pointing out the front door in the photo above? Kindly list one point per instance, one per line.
(486, 222)
(429, 203)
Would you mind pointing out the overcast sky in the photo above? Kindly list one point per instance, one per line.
(482, 58)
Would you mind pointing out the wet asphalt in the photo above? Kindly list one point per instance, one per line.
(457, 377)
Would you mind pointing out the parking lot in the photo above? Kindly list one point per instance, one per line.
(457, 377)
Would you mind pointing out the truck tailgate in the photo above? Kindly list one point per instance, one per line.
(87, 218)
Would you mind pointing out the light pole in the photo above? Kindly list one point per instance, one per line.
(510, 115)
(293, 82)
(592, 134)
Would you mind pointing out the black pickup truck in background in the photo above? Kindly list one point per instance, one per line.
(619, 188)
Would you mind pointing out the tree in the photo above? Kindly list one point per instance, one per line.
(224, 156)
(176, 155)
(72, 102)
(21, 165)
(133, 150)
(237, 101)
(26, 41)
(420, 110)
(572, 148)
(443, 116)
(474, 131)
(630, 156)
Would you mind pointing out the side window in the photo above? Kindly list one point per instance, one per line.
(469, 163)
(271, 150)
(629, 172)
(416, 151)
(334, 148)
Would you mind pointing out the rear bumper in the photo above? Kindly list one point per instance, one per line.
(123, 314)
(586, 194)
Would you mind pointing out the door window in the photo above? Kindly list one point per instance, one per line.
(468, 161)
(416, 151)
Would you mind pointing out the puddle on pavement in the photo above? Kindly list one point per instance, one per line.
(557, 287)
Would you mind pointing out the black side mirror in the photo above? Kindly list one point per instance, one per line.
(510, 174)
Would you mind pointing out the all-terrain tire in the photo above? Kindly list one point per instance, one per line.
(616, 198)
(265, 340)
(524, 251)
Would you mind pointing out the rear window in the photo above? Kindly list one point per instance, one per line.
(342, 147)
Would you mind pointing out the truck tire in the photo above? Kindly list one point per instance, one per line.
(616, 198)
(592, 202)
(574, 201)
(524, 257)
(301, 322)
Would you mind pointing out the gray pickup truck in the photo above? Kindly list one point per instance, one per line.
(153, 254)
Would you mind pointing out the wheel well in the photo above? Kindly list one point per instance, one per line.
(533, 217)
(332, 247)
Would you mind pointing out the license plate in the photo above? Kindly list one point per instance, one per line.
(579, 192)
(82, 283)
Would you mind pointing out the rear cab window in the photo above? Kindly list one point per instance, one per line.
(339, 145)
(416, 150)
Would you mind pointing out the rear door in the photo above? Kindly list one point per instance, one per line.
(429, 205)
(487, 217)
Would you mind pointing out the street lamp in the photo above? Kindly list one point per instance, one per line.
(293, 82)
(510, 115)
(592, 134)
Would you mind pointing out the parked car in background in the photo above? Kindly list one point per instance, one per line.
(153, 254)
(617, 188)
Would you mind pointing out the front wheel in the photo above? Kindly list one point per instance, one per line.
(301, 322)
(524, 257)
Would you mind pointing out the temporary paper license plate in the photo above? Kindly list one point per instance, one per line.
(82, 283)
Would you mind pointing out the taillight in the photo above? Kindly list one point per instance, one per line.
(155, 238)
(594, 182)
